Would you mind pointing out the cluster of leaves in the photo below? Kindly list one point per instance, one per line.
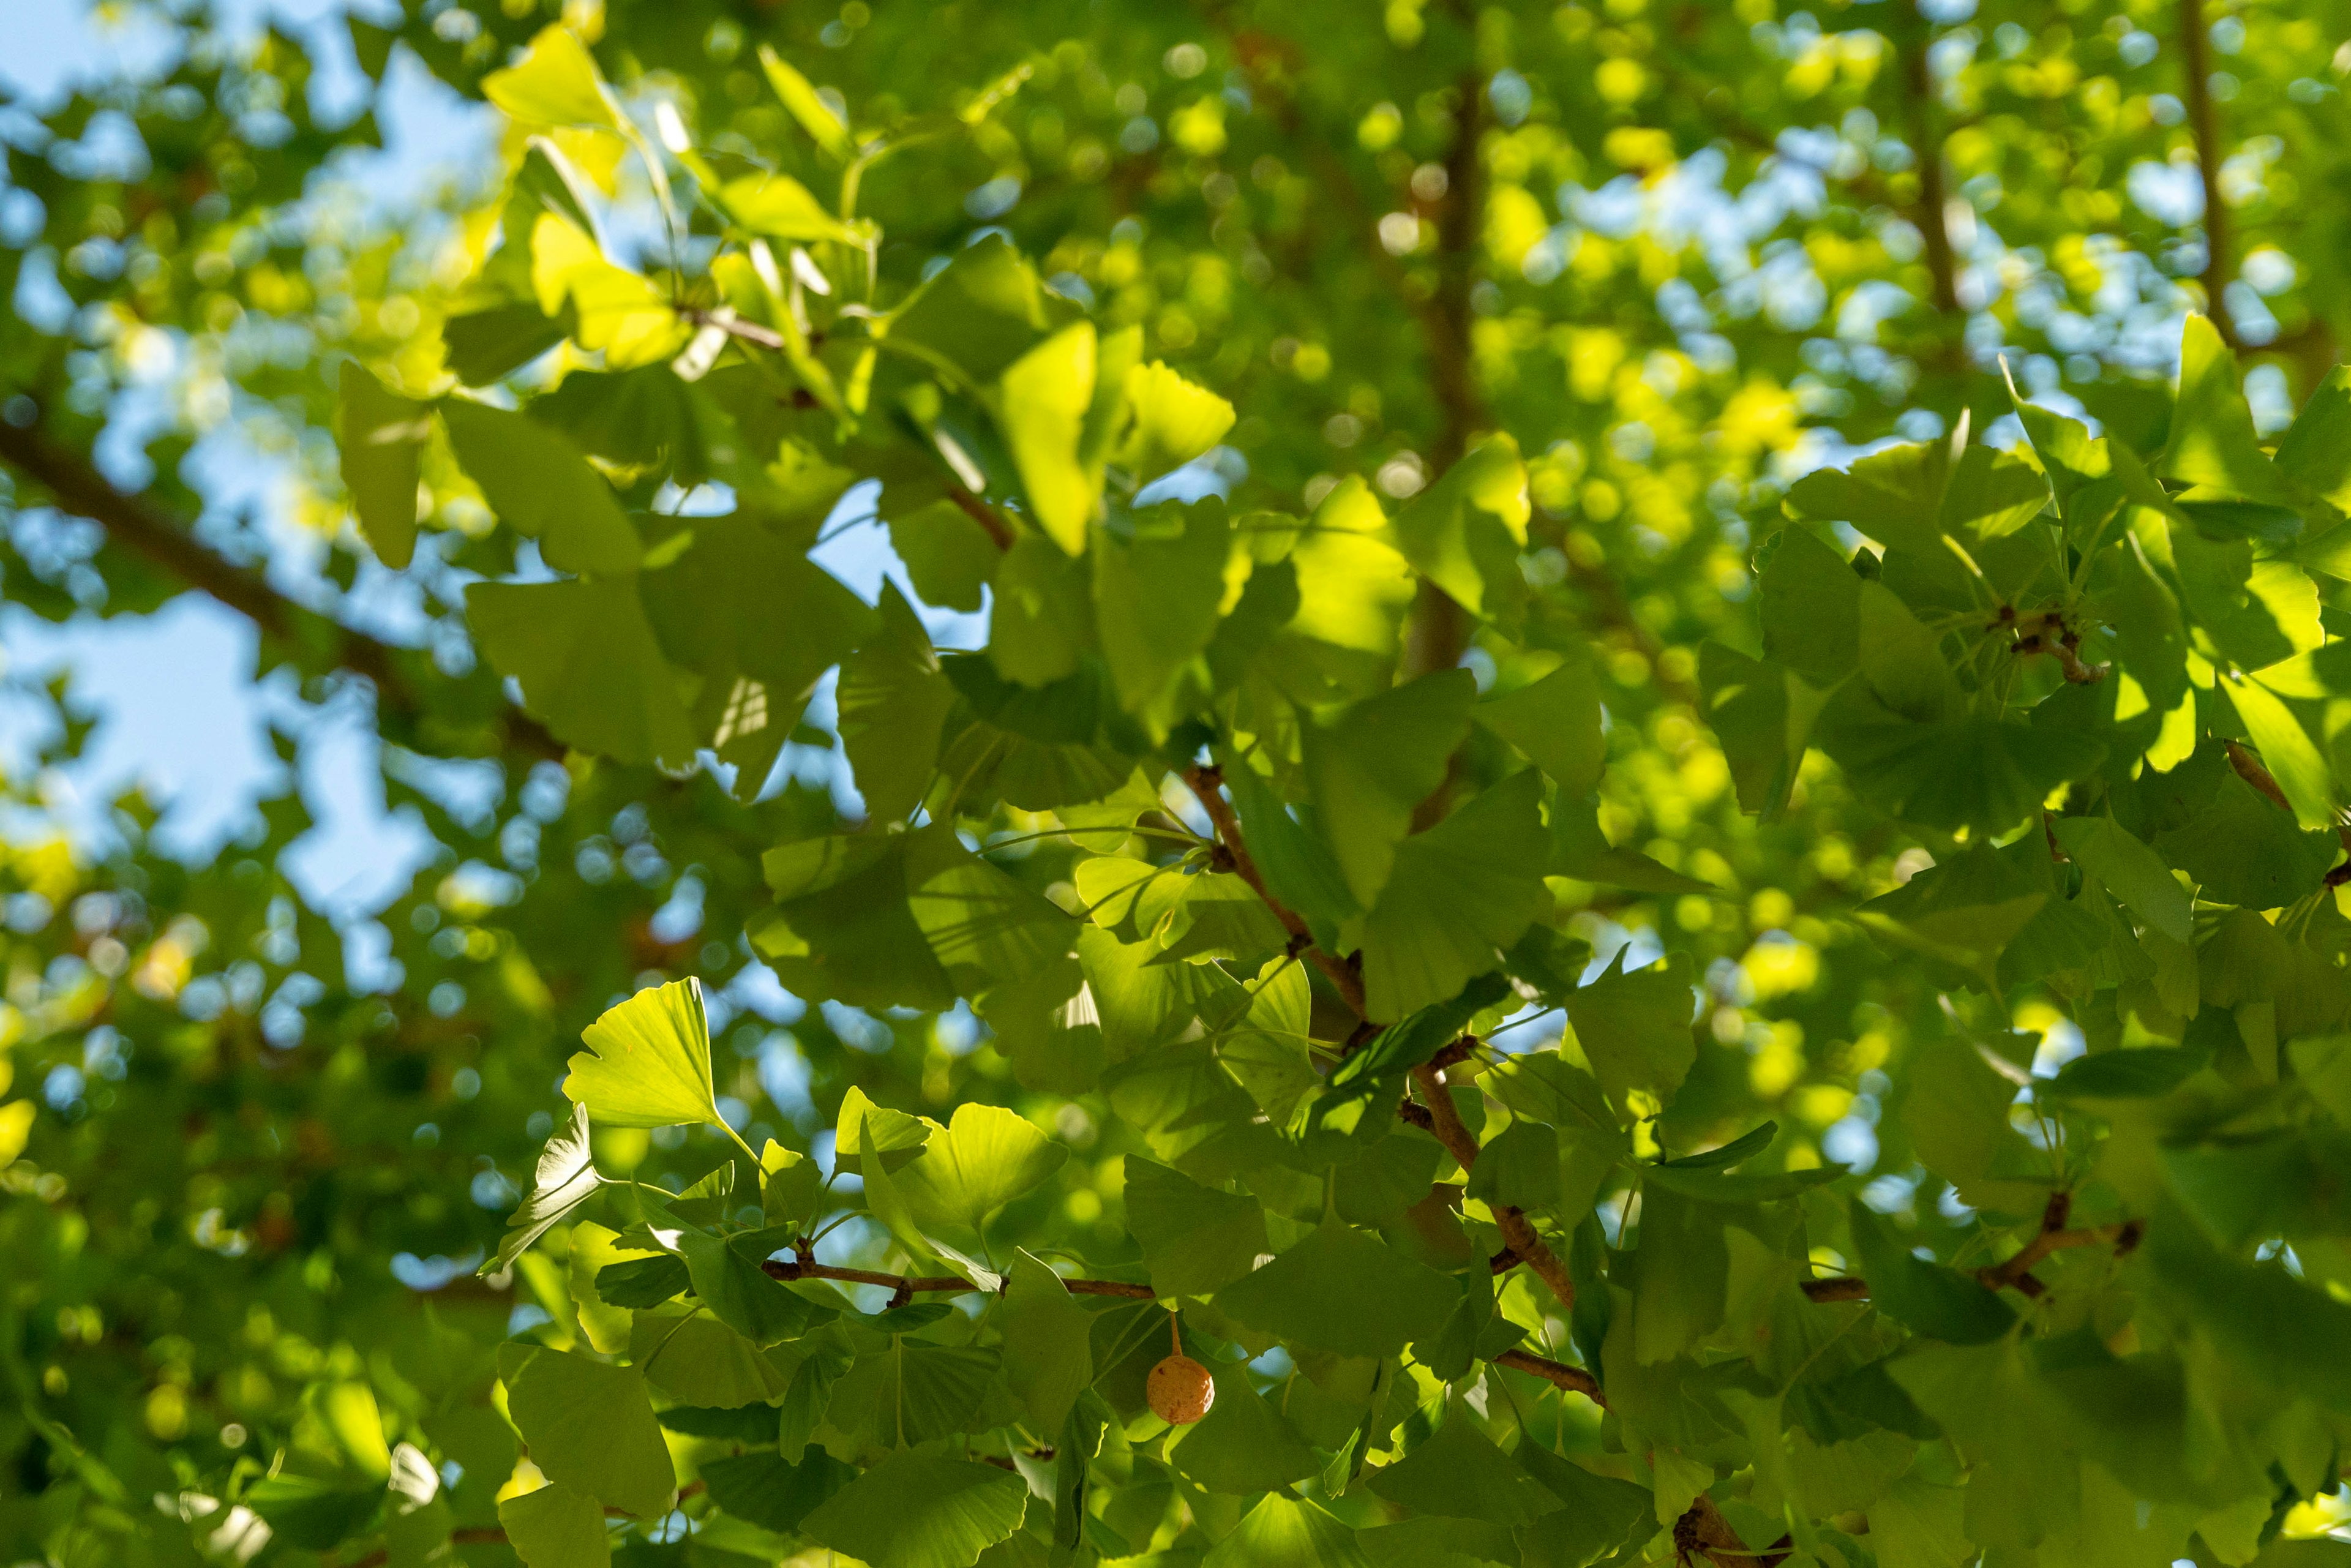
(1235, 859)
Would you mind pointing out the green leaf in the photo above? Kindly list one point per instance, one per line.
(2131, 872)
(1918, 1525)
(1196, 1239)
(727, 1277)
(1635, 1029)
(760, 625)
(2289, 753)
(695, 1359)
(636, 1283)
(1042, 402)
(814, 115)
(1810, 603)
(985, 309)
(1047, 1358)
(555, 83)
(773, 1492)
(1957, 1119)
(1173, 421)
(1376, 762)
(2315, 452)
(1463, 533)
(2136, 1074)
(1964, 772)
(1893, 495)
(2212, 444)
(1285, 1532)
(949, 557)
(912, 1393)
(590, 1427)
(379, 436)
(1520, 1168)
(538, 484)
(1353, 587)
(1554, 722)
(1683, 1273)
(1763, 716)
(1244, 1445)
(866, 1130)
(1413, 1039)
(565, 1178)
(921, 1510)
(648, 1061)
(310, 1513)
(1599, 1515)
(485, 345)
(1343, 1292)
(555, 1527)
(1159, 584)
(588, 666)
(2241, 849)
(843, 929)
(789, 1185)
(987, 1157)
(1298, 868)
(1454, 897)
(1941, 1304)
(1458, 1473)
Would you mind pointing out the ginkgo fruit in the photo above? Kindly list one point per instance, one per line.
(1180, 1390)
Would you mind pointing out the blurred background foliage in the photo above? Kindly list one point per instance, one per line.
(258, 1134)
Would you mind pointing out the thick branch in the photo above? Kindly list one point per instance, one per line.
(938, 1284)
(1517, 1229)
(1206, 783)
(1574, 1379)
(2016, 1273)
(140, 527)
(1927, 147)
(2195, 63)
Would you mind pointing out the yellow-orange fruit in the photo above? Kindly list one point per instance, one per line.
(1180, 1390)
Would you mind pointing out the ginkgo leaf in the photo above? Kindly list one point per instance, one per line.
(987, 1157)
(1456, 894)
(379, 436)
(555, 1527)
(1196, 1239)
(1344, 1291)
(1378, 760)
(1554, 722)
(1041, 404)
(1244, 1445)
(1459, 1473)
(1463, 533)
(891, 701)
(588, 663)
(554, 83)
(1174, 421)
(1635, 1027)
(539, 485)
(648, 1061)
(921, 1510)
(590, 1427)
(1285, 1532)
(565, 1178)
(1047, 1358)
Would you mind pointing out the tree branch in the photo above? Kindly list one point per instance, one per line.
(939, 1284)
(1207, 784)
(1517, 1229)
(2195, 63)
(1558, 1374)
(140, 527)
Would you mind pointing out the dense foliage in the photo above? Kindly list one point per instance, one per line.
(1602, 748)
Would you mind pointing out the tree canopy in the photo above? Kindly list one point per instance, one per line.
(1593, 749)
